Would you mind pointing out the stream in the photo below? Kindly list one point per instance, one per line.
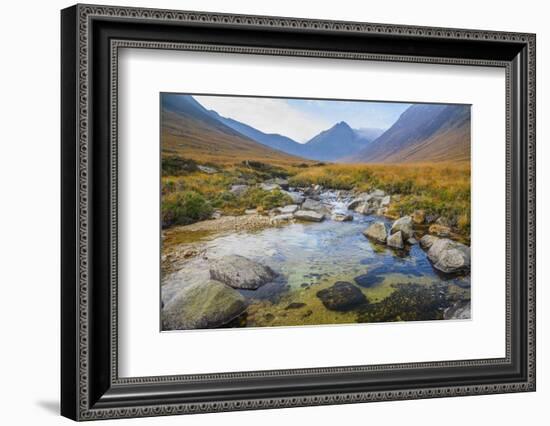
(309, 257)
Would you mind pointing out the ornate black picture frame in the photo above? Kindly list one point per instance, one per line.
(91, 387)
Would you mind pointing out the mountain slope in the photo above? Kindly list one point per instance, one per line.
(272, 140)
(340, 141)
(191, 131)
(422, 133)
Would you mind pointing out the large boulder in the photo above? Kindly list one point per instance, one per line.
(376, 231)
(316, 206)
(342, 296)
(378, 193)
(427, 241)
(366, 208)
(449, 256)
(396, 240)
(405, 225)
(240, 272)
(203, 305)
(296, 197)
(309, 215)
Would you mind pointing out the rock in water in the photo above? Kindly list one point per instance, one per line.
(396, 240)
(316, 206)
(342, 217)
(309, 215)
(460, 310)
(240, 272)
(376, 231)
(342, 296)
(403, 224)
(355, 203)
(449, 256)
(439, 230)
(280, 218)
(297, 197)
(427, 240)
(291, 208)
(202, 305)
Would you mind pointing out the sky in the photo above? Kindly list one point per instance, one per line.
(302, 119)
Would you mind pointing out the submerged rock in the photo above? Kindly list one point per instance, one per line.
(309, 215)
(342, 217)
(396, 240)
(342, 296)
(202, 305)
(376, 231)
(449, 256)
(403, 224)
(239, 272)
(459, 310)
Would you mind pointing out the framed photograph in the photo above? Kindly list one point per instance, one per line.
(263, 212)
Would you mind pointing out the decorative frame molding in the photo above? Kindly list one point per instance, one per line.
(87, 397)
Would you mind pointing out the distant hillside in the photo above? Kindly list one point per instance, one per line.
(190, 130)
(336, 143)
(423, 132)
(272, 140)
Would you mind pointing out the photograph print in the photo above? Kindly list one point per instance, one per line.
(306, 212)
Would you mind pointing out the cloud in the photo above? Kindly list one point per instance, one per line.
(268, 115)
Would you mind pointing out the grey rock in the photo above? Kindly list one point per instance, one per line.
(403, 224)
(419, 216)
(376, 231)
(396, 240)
(291, 208)
(440, 230)
(356, 202)
(377, 193)
(203, 305)
(342, 296)
(443, 221)
(208, 170)
(342, 217)
(296, 197)
(317, 206)
(427, 240)
(269, 186)
(365, 208)
(309, 215)
(238, 189)
(449, 256)
(250, 211)
(240, 272)
(384, 202)
(281, 218)
(412, 241)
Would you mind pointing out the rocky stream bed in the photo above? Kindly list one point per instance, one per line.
(331, 257)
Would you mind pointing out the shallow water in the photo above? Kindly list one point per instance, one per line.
(311, 256)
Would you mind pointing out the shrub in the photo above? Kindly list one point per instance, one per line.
(176, 166)
(184, 208)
